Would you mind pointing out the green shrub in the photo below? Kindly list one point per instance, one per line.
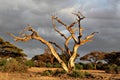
(89, 66)
(104, 66)
(57, 65)
(40, 64)
(53, 73)
(3, 62)
(14, 66)
(59, 72)
(111, 68)
(100, 66)
(47, 73)
(21, 59)
(118, 69)
(49, 65)
(87, 74)
(77, 74)
(29, 63)
(78, 66)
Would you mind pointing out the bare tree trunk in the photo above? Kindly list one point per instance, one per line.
(71, 64)
(53, 51)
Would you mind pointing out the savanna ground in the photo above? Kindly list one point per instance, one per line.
(34, 74)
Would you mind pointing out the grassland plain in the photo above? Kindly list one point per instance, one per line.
(33, 74)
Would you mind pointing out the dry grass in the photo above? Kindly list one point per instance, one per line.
(31, 75)
(102, 73)
(35, 69)
(24, 76)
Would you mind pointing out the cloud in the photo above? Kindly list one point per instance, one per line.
(33, 51)
(102, 16)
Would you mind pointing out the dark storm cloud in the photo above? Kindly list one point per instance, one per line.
(14, 15)
(21, 12)
(102, 16)
(48, 6)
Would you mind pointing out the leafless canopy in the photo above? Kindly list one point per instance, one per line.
(78, 41)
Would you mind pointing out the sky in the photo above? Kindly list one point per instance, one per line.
(102, 16)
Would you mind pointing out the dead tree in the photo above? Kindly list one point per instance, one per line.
(78, 40)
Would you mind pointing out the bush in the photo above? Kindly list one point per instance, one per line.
(78, 74)
(59, 72)
(89, 66)
(3, 62)
(100, 66)
(118, 69)
(57, 65)
(53, 73)
(87, 74)
(14, 66)
(40, 64)
(78, 66)
(111, 68)
(30, 63)
(49, 65)
(47, 73)
(21, 59)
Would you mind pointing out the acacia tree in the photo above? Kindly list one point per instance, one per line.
(113, 58)
(45, 57)
(9, 50)
(78, 40)
(93, 57)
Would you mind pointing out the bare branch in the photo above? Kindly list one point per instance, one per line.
(67, 27)
(66, 45)
(55, 28)
(68, 40)
(29, 28)
(71, 25)
(25, 29)
(79, 15)
(58, 46)
(90, 36)
(59, 21)
(72, 32)
(35, 36)
(81, 30)
(24, 39)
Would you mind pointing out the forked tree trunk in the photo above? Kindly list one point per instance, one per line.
(71, 64)
(53, 51)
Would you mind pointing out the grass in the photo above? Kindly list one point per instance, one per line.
(24, 76)
(32, 75)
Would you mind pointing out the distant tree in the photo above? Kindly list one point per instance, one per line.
(113, 58)
(45, 57)
(9, 50)
(93, 57)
